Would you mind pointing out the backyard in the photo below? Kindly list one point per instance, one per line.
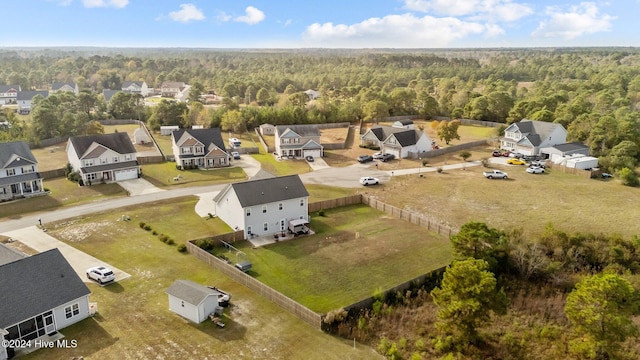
(133, 320)
(355, 251)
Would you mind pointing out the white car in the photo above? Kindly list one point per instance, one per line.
(535, 170)
(368, 180)
(495, 174)
(235, 155)
(101, 274)
(377, 156)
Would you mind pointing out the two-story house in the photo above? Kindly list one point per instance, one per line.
(19, 176)
(529, 136)
(9, 94)
(41, 294)
(171, 88)
(25, 98)
(103, 158)
(298, 141)
(264, 206)
(136, 87)
(397, 140)
(203, 148)
(64, 86)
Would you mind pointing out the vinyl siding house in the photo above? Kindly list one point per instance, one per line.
(103, 158)
(564, 150)
(529, 136)
(171, 88)
(63, 86)
(136, 87)
(398, 141)
(298, 141)
(203, 148)
(193, 301)
(40, 295)
(263, 207)
(9, 94)
(24, 99)
(19, 176)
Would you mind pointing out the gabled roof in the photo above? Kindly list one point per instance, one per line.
(7, 88)
(205, 136)
(37, 284)
(268, 190)
(301, 130)
(383, 132)
(530, 127)
(58, 85)
(573, 146)
(405, 122)
(108, 94)
(29, 95)
(191, 292)
(8, 255)
(126, 84)
(118, 142)
(172, 84)
(406, 137)
(15, 153)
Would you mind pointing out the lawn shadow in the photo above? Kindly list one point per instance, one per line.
(114, 287)
(16, 208)
(232, 331)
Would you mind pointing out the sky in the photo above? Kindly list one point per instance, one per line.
(322, 24)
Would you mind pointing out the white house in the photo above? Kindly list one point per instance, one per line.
(24, 99)
(104, 157)
(19, 176)
(298, 141)
(405, 124)
(168, 129)
(312, 94)
(529, 136)
(267, 129)
(562, 150)
(171, 88)
(40, 294)
(193, 301)
(9, 94)
(64, 86)
(136, 87)
(264, 206)
(398, 141)
(141, 136)
(183, 94)
(203, 148)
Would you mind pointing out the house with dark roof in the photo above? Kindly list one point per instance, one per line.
(397, 140)
(136, 87)
(297, 141)
(264, 206)
(529, 136)
(406, 123)
(19, 176)
(564, 150)
(203, 148)
(193, 301)
(9, 94)
(103, 158)
(24, 99)
(40, 295)
(8, 254)
(171, 88)
(64, 86)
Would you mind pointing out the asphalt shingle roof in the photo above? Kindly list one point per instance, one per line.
(37, 284)
(205, 136)
(29, 95)
(118, 142)
(8, 255)
(19, 148)
(302, 130)
(191, 292)
(269, 190)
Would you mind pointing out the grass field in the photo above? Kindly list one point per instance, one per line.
(162, 175)
(281, 167)
(133, 320)
(51, 157)
(164, 143)
(355, 250)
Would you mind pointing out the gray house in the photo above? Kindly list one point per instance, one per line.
(19, 176)
(298, 141)
(24, 99)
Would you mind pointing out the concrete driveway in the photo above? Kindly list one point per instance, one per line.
(318, 164)
(250, 165)
(139, 186)
(41, 241)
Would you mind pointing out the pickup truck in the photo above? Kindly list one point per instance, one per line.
(495, 174)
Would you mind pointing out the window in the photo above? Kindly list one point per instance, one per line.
(91, 176)
(248, 211)
(301, 202)
(199, 149)
(265, 226)
(185, 150)
(115, 159)
(103, 160)
(88, 162)
(11, 172)
(127, 157)
(249, 230)
(264, 209)
(286, 141)
(280, 206)
(71, 311)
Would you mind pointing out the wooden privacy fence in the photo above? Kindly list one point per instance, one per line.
(50, 174)
(312, 318)
(333, 203)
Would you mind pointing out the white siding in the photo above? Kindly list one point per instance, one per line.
(291, 209)
(59, 315)
(228, 209)
(184, 309)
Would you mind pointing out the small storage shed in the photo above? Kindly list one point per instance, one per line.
(167, 130)
(140, 136)
(267, 129)
(583, 162)
(193, 301)
(404, 124)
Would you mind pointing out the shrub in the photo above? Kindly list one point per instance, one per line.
(337, 315)
(147, 227)
(439, 169)
(154, 232)
(205, 244)
(163, 238)
(170, 241)
(141, 224)
(321, 212)
(424, 162)
(628, 177)
(465, 155)
(182, 248)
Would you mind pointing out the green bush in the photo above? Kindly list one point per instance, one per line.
(182, 248)
(147, 227)
(163, 238)
(170, 241)
(424, 162)
(321, 213)
(154, 232)
(628, 177)
(141, 224)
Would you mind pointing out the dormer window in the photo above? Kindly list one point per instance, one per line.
(11, 172)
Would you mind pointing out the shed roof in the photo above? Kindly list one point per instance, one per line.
(191, 292)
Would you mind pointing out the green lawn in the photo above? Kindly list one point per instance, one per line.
(163, 142)
(356, 250)
(63, 193)
(162, 175)
(133, 320)
(128, 128)
(326, 192)
(281, 167)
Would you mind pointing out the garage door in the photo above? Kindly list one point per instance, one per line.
(314, 153)
(394, 151)
(126, 174)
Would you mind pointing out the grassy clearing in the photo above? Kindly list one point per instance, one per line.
(326, 192)
(281, 167)
(355, 250)
(51, 157)
(133, 320)
(63, 193)
(162, 175)
(163, 142)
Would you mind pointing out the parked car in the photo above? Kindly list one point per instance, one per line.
(495, 174)
(101, 274)
(506, 153)
(516, 161)
(377, 156)
(368, 180)
(496, 153)
(539, 163)
(364, 158)
(387, 157)
(244, 266)
(236, 155)
(516, 155)
(309, 158)
(606, 176)
(535, 170)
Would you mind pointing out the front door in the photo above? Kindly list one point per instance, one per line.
(105, 175)
(49, 326)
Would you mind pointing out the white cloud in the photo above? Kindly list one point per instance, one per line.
(187, 13)
(61, 2)
(104, 3)
(223, 17)
(395, 31)
(494, 10)
(577, 21)
(252, 16)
